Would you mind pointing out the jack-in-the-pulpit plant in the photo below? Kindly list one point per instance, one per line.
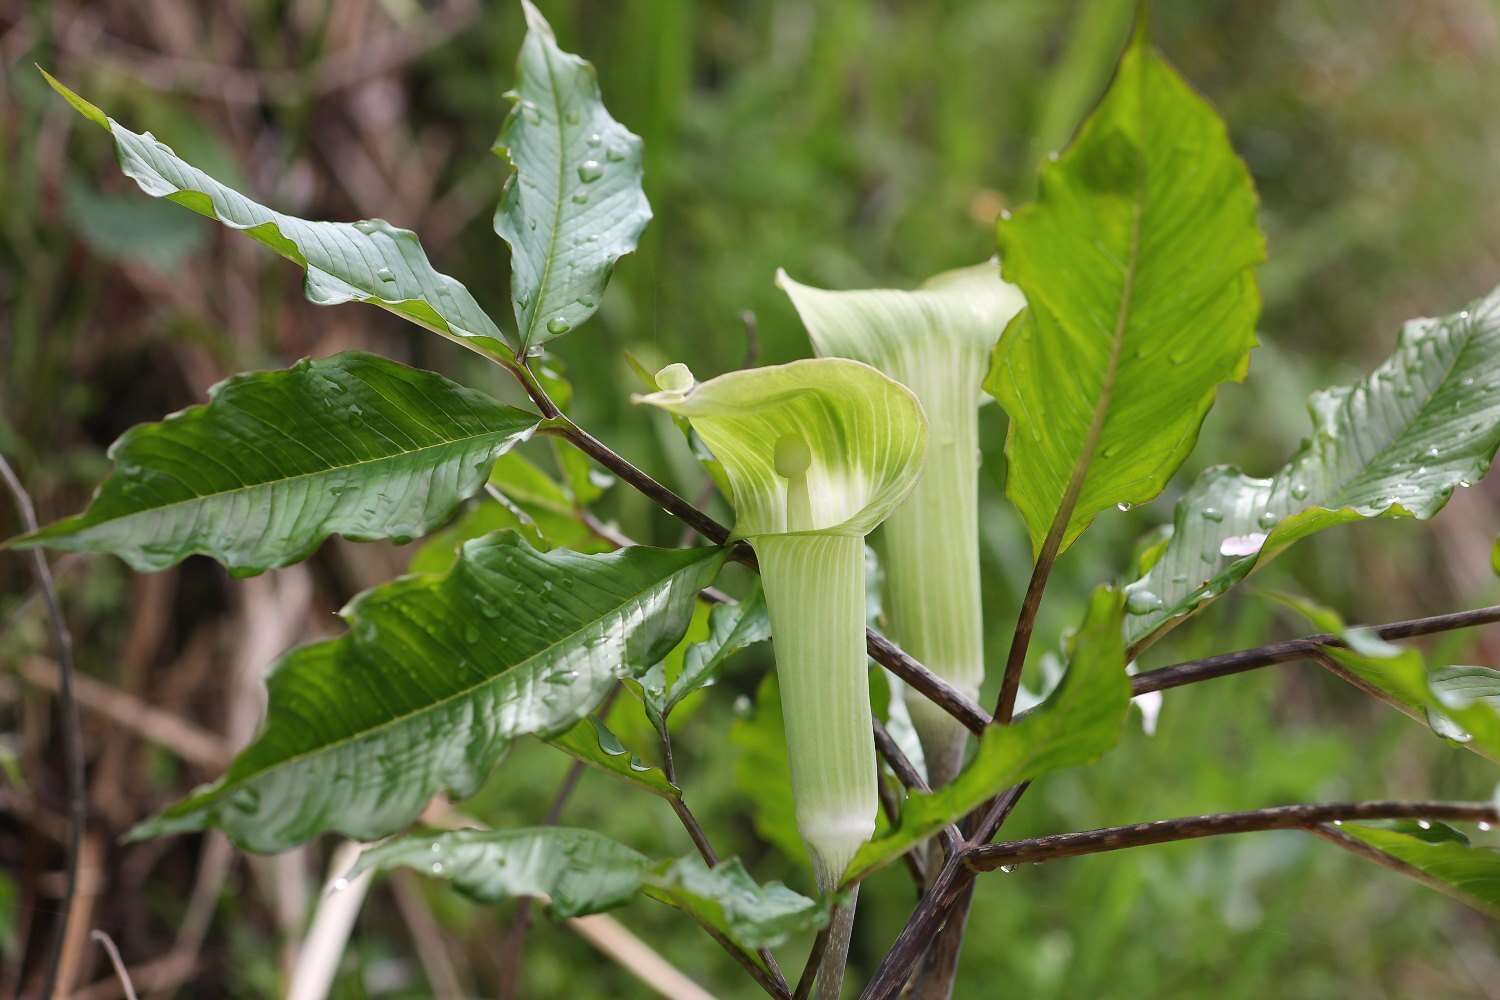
(936, 341)
(524, 614)
(817, 454)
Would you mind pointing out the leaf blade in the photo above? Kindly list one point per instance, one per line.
(434, 678)
(1117, 281)
(576, 871)
(592, 742)
(1080, 719)
(575, 204)
(1395, 444)
(370, 261)
(277, 461)
(726, 899)
(1443, 855)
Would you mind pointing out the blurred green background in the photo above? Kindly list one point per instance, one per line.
(855, 143)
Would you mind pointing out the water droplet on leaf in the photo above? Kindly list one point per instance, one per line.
(1142, 602)
(557, 325)
(590, 171)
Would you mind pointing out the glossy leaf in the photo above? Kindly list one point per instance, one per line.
(278, 461)
(592, 742)
(732, 627)
(574, 205)
(726, 899)
(864, 436)
(1444, 855)
(1079, 720)
(369, 261)
(1136, 265)
(1395, 444)
(434, 677)
(574, 871)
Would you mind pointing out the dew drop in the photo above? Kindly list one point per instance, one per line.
(571, 116)
(590, 171)
(1267, 519)
(614, 154)
(1110, 451)
(1338, 822)
(1423, 824)
(587, 301)
(594, 139)
(1484, 826)
(580, 198)
(557, 325)
(471, 634)
(1142, 602)
(523, 300)
(1299, 491)
(1213, 514)
(1431, 452)
(1464, 484)
(1123, 506)
(437, 868)
(1007, 869)
(435, 847)
(384, 274)
(562, 677)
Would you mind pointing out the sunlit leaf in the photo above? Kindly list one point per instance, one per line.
(1078, 721)
(1395, 444)
(277, 461)
(732, 627)
(433, 678)
(1136, 263)
(369, 261)
(574, 205)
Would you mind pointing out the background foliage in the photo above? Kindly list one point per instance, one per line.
(820, 138)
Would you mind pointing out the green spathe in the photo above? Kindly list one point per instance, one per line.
(936, 341)
(817, 453)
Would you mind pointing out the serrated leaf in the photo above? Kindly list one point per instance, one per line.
(1136, 265)
(370, 261)
(277, 461)
(726, 899)
(575, 871)
(434, 677)
(1395, 444)
(1079, 720)
(575, 204)
(592, 742)
(1442, 854)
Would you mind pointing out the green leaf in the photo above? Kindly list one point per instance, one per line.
(369, 261)
(863, 435)
(434, 677)
(278, 461)
(1395, 444)
(732, 627)
(1472, 874)
(575, 871)
(1080, 720)
(1136, 265)
(574, 205)
(726, 899)
(762, 773)
(592, 742)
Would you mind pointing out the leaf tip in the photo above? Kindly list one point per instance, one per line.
(534, 19)
(86, 108)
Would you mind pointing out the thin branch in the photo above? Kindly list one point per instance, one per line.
(62, 652)
(988, 857)
(814, 959)
(909, 776)
(108, 944)
(1307, 647)
(912, 943)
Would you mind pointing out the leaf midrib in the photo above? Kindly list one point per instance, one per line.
(466, 692)
(219, 494)
(557, 202)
